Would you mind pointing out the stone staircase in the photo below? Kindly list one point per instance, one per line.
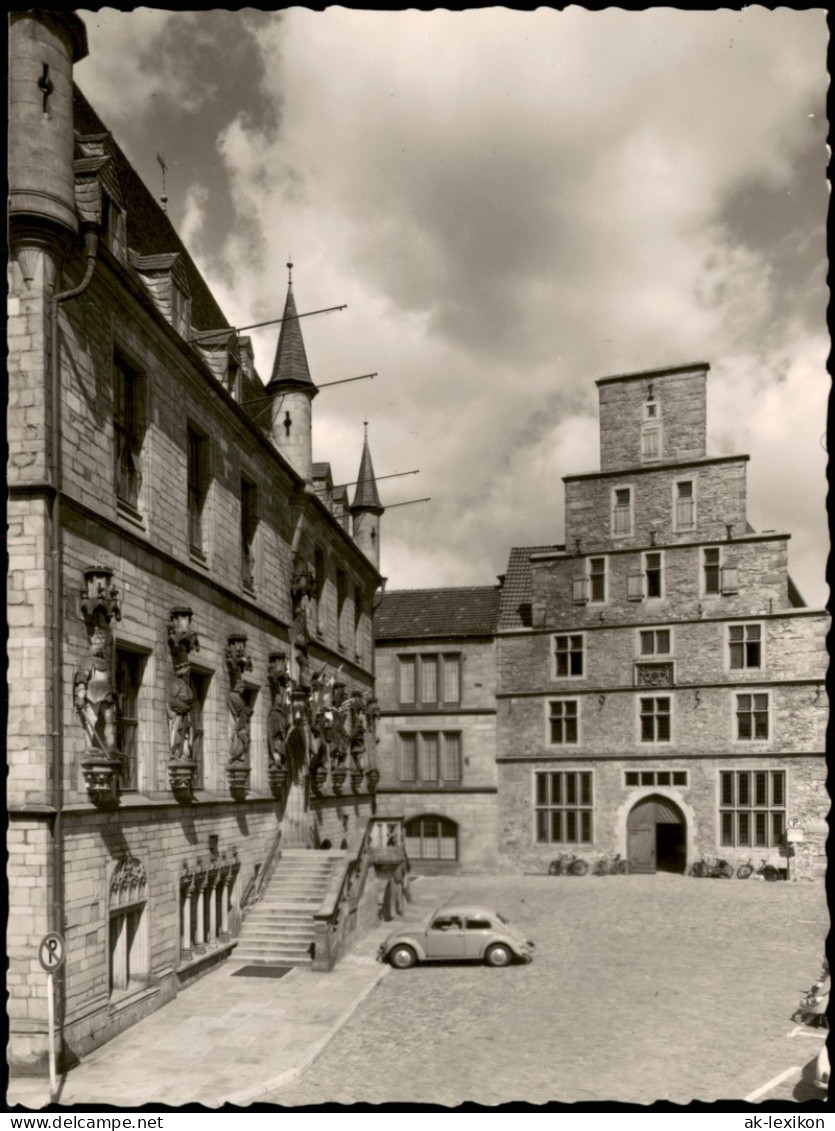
(279, 929)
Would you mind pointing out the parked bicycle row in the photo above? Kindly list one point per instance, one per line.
(716, 868)
(721, 869)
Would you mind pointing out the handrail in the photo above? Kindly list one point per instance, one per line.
(254, 889)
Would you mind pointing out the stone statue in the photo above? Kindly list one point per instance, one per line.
(94, 695)
(181, 643)
(280, 718)
(241, 714)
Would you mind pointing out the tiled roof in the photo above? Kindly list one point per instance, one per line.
(409, 613)
(516, 593)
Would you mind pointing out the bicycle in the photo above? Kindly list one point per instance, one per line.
(712, 869)
(568, 865)
(766, 870)
(616, 866)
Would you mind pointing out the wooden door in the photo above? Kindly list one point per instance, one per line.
(640, 837)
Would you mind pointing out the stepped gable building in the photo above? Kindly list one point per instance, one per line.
(436, 673)
(660, 682)
(190, 609)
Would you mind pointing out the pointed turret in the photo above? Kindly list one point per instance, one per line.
(366, 508)
(292, 391)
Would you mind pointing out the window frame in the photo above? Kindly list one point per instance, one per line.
(121, 650)
(753, 738)
(604, 573)
(442, 822)
(198, 487)
(422, 661)
(130, 426)
(654, 630)
(552, 718)
(703, 568)
(645, 556)
(744, 644)
(655, 715)
(417, 740)
(729, 824)
(542, 811)
(678, 526)
(655, 783)
(197, 676)
(617, 510)
(341, 605)
(569, 636)
(250, 518)
(651, 425)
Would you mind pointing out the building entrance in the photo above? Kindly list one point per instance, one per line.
(656, 836)
(296, 808)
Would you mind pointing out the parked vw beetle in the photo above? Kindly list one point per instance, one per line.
(458, 930)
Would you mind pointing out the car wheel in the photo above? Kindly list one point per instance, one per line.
(498, 955)
(402, 957)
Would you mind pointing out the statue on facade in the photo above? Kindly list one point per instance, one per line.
(181, 643)
(237, 662)
(280, 717)
(359, 727)
(341, 724)
(301, 591)
(94, 695)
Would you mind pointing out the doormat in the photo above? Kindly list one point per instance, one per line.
(262, 971)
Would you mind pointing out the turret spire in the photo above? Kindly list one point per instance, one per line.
(290, 365)
(366, 496)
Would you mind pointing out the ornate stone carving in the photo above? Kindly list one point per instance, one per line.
(128, 883)
(182, 641)
(279, 721)
(654, 674)
(238, 767)
(94, 692)
(302, 584)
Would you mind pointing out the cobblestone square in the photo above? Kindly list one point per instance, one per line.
(643, 988)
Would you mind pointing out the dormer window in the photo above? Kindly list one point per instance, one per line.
(179, 310)
(112, 225)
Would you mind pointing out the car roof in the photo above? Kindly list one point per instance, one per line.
(465, 909)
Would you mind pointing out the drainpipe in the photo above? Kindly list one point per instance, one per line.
(91, 243)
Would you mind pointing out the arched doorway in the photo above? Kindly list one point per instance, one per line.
(432, 842)
(656, 836)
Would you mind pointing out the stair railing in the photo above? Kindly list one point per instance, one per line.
(255, 887)
(343, 909)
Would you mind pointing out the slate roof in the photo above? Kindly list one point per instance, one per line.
(366, 496)
(516, 593)
(408, 613)
(290, 365)
(148, 229)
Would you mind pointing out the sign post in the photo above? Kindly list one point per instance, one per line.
(51, 955)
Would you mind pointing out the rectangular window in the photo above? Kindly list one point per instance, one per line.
(430, 758)
(179, 311)
(655, 642)
(357, 620)
(198, 487)
(655, 719)
(408, 757)
(200, 690)
(650, 441)
(752, 808)
(745, 645)
(128, 430)
(341, 598)
(249, 526)
(130, 667)
(597, 577)
(685, 505)
(451, 770)
(752, 717)
(653, 574)
(711, 561)
(320, 578)
(430, 680)
(655, 777)
(563, 722)
(622, 511)
(568, 655)
(564, 807)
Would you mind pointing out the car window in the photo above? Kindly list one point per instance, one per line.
(502, 919)
(479, 925)
(447, 923)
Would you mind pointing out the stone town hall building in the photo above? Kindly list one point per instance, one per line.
(659, 682)
(190, 600)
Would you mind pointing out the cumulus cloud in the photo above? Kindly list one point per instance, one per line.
(512, 204)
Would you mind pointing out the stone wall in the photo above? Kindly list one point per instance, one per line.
(681, 401)
(699, 803)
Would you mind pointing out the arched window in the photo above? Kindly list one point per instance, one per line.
(431, 838)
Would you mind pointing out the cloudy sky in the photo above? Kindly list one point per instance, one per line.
(511, 204)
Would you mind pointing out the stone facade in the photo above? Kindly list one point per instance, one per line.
(437, 731)
(165, 561)
(665, 700)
